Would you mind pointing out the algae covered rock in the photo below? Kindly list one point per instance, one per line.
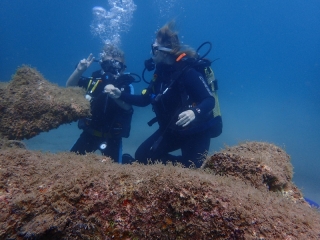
(29, 105)
(69, 196)
(261, 164)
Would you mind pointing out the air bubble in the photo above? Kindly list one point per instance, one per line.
(107, 25)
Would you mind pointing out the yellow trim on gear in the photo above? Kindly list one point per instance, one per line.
(89, 83)
(95, 86)
(210, 77)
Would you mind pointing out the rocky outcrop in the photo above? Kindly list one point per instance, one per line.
(263, 165)
(67, 196)
(29, 105)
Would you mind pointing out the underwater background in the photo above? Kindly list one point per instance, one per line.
(268, 67)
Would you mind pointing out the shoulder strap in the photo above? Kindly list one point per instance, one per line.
(182, 90)
(178, 73)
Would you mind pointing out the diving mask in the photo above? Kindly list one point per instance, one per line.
(156, 48)
(112, 66)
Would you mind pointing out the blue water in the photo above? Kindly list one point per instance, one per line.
(268, 71)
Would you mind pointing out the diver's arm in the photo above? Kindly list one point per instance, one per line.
(136, 100)
(80, 69)
(199, 92)
(74, 78)
(115, 93)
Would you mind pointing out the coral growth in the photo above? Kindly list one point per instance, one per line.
(69, 196)
(29, 104)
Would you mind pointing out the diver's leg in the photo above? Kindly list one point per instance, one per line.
(157, 147)
(194, 149)
(143, 153)
(85, 143)
(114, 149)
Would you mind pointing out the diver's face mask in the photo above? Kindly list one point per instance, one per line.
(112, 66)
(156, 48)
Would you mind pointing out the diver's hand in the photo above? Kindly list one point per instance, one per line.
(112, 91)
(85, 63)
(185, 118)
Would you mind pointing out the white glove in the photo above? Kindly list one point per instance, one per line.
(185, 118)
(85, 63)
(112, 91)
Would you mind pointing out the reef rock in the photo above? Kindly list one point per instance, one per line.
(29, 104)
(263, 165)
(69, 196)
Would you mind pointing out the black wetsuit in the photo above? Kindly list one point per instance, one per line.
(108, 122)
(193, 140)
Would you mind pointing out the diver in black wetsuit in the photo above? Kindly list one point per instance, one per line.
(111, 118)
(183, 105)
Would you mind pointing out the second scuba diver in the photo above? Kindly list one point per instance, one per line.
(110, 119)
(181, 101)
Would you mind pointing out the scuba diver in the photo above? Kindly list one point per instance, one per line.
(110, 119)
(182, 102)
